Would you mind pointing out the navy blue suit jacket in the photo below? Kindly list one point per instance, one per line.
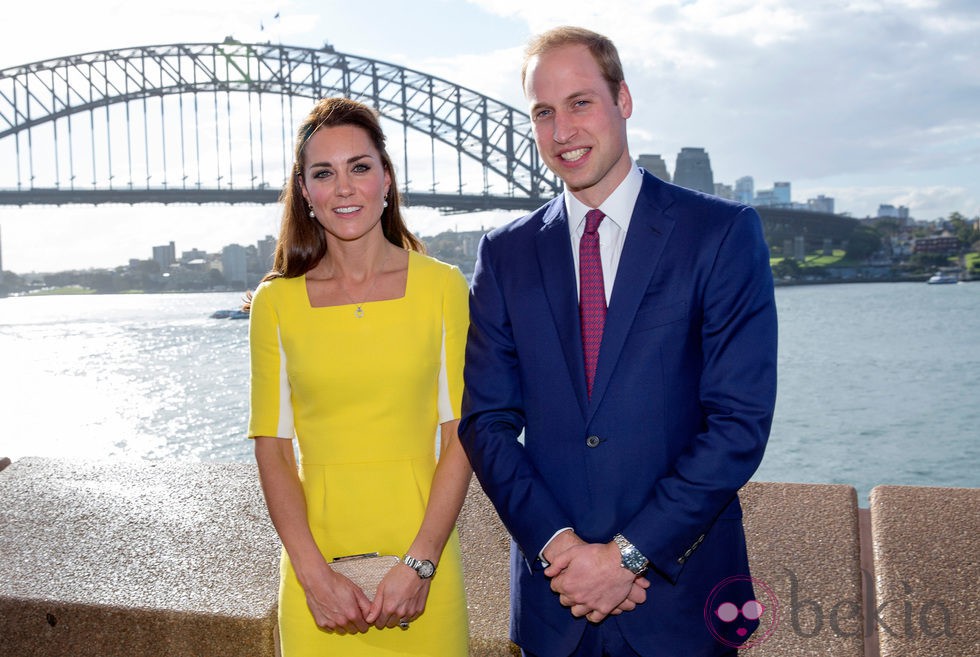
(678, 419)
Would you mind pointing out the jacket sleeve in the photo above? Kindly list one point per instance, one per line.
(493, 418)
(737, 396)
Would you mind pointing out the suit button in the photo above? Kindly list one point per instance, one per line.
(592, 441)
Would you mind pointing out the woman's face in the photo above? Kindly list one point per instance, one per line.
(344, 180)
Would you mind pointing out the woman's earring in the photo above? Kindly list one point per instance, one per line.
(385, 203)
(312, 214)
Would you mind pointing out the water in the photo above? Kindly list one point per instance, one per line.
(877, 382)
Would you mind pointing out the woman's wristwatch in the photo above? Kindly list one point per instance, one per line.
(633, 559)
(423, 567)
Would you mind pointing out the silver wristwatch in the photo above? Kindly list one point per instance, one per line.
(423, 567)
(633, 559)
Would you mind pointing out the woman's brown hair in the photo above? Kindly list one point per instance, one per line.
(302, 243)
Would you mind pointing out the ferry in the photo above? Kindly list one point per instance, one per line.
(942, 278)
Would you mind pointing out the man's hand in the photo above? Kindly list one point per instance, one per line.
(590, 580)
(637, 596)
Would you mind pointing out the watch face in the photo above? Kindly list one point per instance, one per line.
(426, 569)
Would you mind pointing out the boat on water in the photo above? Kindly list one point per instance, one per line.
(229, 314)
(943, 278)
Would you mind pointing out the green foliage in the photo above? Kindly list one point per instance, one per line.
(964, 230)
(786, 268)
(863, 243)
(928, 261)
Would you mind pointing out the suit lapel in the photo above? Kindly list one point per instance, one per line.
(645, 241)
(558, 276)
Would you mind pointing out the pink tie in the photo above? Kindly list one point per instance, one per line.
(592, 294)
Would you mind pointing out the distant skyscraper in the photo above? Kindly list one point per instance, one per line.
(783, 193)
(165, 256)
(233, 264)
(765, 198)
(655, 165)
(724, 191)
(821, 204)
(693, 170)
(266, 252)
(890, 211)
(745, 190)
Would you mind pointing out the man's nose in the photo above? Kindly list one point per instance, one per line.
(564, 128)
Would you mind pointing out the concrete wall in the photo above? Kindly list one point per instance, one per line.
(167, 559)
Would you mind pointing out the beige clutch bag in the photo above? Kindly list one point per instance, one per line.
(365, 570)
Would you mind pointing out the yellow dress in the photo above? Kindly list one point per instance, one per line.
(364, 397)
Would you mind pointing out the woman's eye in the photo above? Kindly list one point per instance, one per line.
(361, 168)
(322, 174)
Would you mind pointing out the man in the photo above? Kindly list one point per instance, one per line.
(640, 420)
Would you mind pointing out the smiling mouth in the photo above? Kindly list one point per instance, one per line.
(347, 210)
(573, 156)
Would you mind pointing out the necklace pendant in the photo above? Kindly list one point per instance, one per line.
(358, 312)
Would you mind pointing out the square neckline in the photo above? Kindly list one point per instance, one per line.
(408, 284)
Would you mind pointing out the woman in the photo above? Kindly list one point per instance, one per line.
(357, 346)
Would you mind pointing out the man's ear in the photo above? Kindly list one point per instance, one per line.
(624, 100)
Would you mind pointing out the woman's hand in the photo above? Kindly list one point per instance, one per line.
(338, 605)
(401, 597)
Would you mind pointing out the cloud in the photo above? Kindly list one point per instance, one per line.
(793, 89)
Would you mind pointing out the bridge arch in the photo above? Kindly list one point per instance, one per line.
(131, 102)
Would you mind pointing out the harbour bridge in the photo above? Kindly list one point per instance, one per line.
(213, 122)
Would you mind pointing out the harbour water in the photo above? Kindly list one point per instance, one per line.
(878, 383)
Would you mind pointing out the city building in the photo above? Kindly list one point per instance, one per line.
(765, 198)
(778, 197)
(693, 170)
(821, 204)
(266, 252)
(234, 264)
(782, 192)
(947, 245)
(745, 190)
(193, 254)
(165, 256)
(888, 211)
(724, 191)
(655, 165)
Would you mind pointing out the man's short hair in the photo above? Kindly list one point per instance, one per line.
(602, 48)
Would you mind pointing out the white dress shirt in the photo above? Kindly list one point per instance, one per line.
(618, 209)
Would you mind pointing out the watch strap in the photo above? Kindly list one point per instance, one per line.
(423, 567)
(632, 559)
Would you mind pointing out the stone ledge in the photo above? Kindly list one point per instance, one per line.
(113, 558)
(926, 543)
(167, 559)
(803, 543)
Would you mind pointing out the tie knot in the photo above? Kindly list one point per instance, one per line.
(592, 220)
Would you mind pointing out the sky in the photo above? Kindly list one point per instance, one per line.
(869, 102)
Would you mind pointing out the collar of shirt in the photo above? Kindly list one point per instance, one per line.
(618, 207)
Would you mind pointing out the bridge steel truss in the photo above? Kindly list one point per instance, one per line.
(61, 112)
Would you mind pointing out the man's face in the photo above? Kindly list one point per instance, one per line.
(579, 128)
